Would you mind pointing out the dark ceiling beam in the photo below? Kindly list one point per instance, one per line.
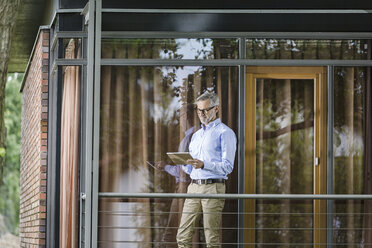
(222, 22)
(239, 4)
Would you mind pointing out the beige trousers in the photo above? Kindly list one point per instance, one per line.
(211, 209)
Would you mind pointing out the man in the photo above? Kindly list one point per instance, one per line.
(213, 150)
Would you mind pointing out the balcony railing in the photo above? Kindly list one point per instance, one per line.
(248, 220)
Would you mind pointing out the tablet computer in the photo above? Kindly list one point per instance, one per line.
(179, 157)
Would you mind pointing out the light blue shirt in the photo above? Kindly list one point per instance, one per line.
(215, 145)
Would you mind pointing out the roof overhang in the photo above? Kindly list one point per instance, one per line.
(32, 14)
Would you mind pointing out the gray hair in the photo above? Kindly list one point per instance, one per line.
(213, 98)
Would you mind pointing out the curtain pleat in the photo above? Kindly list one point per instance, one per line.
(158, 149)
(349, 118)
(283, 98)
(106, 158)
(308, 143)
(69, 193)
(144, 155)
(260, 157)
(105, 130)
(220, 91)
(132, 122)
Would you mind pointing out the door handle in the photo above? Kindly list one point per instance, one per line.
(317, 161)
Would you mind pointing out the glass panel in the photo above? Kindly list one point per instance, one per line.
(307, 49)
(72, 4)
(203, 48)
(352, 219)
(146, 112)
(284, 159)
(69, 48)
(70, 22)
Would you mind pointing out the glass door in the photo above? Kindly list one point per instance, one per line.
(285, 154)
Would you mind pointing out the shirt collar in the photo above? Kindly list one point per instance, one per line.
(212, 124)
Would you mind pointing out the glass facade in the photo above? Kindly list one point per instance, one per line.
(145, 110)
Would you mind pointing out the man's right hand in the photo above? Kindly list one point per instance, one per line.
(196, 163)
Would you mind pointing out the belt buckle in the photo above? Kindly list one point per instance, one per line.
(199, 181)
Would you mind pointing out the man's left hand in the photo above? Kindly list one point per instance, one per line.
(196, 163)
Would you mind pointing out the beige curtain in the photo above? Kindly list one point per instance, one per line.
(69, 190)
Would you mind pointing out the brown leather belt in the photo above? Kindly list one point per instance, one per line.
(208, 181)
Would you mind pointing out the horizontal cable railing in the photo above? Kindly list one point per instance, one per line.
(271, 220)
(237, 196)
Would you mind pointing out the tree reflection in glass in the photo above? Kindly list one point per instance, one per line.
(307, 49)
(284, 159)
(169, 48)
(352, 220)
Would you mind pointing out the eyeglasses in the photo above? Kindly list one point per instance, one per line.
(204, 111)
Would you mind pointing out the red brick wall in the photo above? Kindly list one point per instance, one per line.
(34, 131)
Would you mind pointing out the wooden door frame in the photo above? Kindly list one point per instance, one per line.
(319, 74)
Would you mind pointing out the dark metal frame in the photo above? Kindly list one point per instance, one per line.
(54, 126)
(53, 167)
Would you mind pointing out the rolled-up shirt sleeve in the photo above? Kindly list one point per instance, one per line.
(172, 170)
(228, 149)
